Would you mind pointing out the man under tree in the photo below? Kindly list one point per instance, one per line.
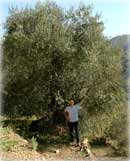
(71, 115)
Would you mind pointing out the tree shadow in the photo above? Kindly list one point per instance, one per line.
(44, 133)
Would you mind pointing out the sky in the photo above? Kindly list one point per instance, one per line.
(114, 13)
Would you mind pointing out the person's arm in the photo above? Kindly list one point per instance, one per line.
(81, 103)
(66, 114)
(79, 107)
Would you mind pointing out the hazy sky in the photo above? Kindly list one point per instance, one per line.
(115, 13)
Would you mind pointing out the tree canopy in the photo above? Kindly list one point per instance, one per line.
(51, 54)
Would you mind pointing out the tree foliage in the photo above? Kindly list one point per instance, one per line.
(51, 55)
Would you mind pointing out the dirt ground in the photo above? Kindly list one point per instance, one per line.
(17, 148)
(65, 154)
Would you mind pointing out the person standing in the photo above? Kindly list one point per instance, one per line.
(71, 115)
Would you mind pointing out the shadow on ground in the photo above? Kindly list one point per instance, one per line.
(44, 135)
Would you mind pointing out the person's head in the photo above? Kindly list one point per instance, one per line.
(71, 102)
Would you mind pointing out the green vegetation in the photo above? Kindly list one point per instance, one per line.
(34, 143)
(6, 145)
(51, 55)
(122, 42)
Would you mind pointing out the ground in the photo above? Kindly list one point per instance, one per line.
(14, 146)
(24, 152)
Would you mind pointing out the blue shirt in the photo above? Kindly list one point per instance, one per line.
(73, 112)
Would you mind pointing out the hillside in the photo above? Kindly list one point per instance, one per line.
(121, 41)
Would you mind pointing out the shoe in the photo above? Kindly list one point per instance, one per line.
(78, 144)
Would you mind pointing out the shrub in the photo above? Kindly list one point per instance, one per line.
(8, 145)
(34, 143)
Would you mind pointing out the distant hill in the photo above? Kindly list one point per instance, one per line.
(121, 41)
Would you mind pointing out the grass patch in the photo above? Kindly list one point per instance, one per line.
(8, 145)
